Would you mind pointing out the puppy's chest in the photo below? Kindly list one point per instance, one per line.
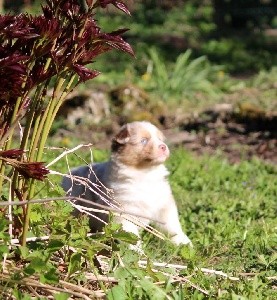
(142, 192)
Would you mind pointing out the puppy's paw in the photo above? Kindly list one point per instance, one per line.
(137, 248)
(181, 239)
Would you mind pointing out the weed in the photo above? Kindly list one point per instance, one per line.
(185, 77)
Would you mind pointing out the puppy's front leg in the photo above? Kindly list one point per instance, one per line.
(131, 227)
(172, 226)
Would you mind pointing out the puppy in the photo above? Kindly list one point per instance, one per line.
(138, 178)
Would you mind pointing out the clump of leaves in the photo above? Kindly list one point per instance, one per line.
(36, 52)
(185, 77)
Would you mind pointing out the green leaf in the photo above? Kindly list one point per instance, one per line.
(24, 251)
(50, 277)
(4, 249)
(154, 292)
(262, 259)
(29, 271)
(35, 216)
(180, 68)
(111, 228)
(54, 245)
(38, 264)
(20, 296)
(117, 293)
(4, 236)
(150, 271)
(160, 68)
(121, 273)
(61, 296)
(75, 263)
(127, 237)
(186, 252)
(3, 223)
(238, 297)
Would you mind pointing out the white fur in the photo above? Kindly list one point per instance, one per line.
(141, 191)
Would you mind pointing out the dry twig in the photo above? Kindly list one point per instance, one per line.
(204, 270)
(67, 152)
(67, 287)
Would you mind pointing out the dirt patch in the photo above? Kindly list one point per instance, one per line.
(235, 136)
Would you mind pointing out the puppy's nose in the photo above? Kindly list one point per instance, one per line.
(163, 147)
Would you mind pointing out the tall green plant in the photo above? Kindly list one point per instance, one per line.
(185, 77)
(36, 50)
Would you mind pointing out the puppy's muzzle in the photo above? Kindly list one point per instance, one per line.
(163, 149)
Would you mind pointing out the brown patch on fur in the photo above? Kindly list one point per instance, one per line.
(121, 138)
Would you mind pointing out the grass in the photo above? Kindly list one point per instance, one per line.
(228, 211)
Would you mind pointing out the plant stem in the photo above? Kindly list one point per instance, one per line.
(30, 116)
(47, 125)
(42, 133)
(9, 141)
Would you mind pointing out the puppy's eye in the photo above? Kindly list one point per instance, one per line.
(144, 141)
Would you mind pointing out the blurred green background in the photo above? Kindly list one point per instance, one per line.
(239, 34)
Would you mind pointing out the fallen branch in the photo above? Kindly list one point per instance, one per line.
(93, 277)
(70, 288)
(81, 289)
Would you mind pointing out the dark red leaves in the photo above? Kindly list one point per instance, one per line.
(85, 73)
(12, 60)
(34, 170)
(114, 40)
(48, 28)
(12, 153)
(12, 74)
(16, 27)
(121, 6)
(118, 4)
(69, 38)
(34, 49)
(11, 78)
(89, 2)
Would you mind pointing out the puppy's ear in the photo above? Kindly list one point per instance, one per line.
(124, 135)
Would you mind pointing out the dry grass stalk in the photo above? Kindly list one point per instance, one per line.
(66, 152)
(143, 263)
(67, 287)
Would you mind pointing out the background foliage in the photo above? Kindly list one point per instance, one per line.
(189, 55)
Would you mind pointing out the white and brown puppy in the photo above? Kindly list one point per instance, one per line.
(138, 177)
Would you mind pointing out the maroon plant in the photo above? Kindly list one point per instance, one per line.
(34, 170)
(56, 45)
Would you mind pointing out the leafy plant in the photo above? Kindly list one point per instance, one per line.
(240, 55)
(38, 52)
(186, 77)
(265, 80)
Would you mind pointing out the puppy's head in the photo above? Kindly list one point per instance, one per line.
(140, 144)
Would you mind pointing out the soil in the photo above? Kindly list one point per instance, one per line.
(231, 136)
